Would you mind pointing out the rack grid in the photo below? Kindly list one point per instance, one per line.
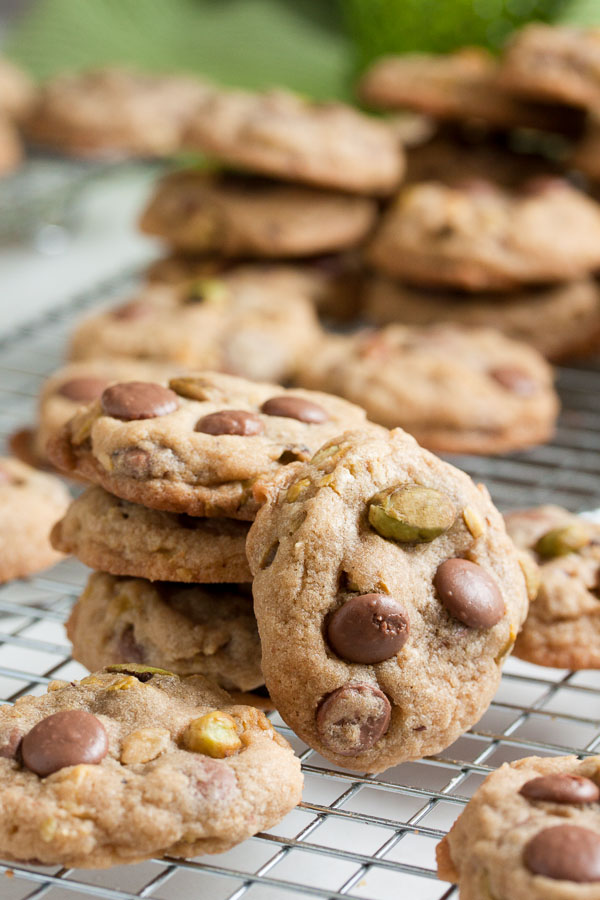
(353, 835)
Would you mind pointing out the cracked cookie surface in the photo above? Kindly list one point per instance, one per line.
(387, 594)
(135, 763)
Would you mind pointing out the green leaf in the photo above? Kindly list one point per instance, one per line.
(249, 43)
(378, 27)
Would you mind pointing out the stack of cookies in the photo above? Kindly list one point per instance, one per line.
(175, 473)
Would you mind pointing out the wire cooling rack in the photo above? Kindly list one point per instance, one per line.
(353, 835)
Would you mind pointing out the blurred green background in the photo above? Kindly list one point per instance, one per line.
(312, 46)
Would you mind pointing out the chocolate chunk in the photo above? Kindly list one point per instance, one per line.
(368, 629)
(66, 738)
(353, 718)
(565, 853)
(82, 390)
(469, 593)
(561, 788)
(515, 380)
(231, 421)
(137, 309)
(138, 400)
(128, 649)
(295, 408)
(9, 745)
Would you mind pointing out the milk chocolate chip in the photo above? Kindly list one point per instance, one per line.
(368, 629)
(565, 853)
(469, 593)
(561, 788)
(138, 400)
(66, 738)
(84, 389)
(353, 718)
(515, 380)
(295, 408)
(230, 421)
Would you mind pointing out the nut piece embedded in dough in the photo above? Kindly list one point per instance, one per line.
(143, 745)
(560, 541)
(214, 734)
(411, 513)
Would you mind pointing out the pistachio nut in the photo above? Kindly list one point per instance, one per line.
(214, 734)
(411, 513)
(560, 541)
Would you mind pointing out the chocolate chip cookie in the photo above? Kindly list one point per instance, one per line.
(285, 136)
(191, 629)
(114, 112)
(123, 538)
(456, 389)
(459, 87)
(561, 321)
(198, 446)
(553, 63)
(239, 215)
(76, 385)
(387, 594)
(480, 237)
(134, 762)
(30, 504)
(532, 830)
(250, 322)
(563, 625)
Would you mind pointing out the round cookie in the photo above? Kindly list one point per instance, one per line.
(532, 830)
(562, 628)
(253, 322)
(285, 136)
(480, 237)
(456, 389)
(76, 385)
(554, 64)
(387, 595)
(123, 538)
(108, 112)
(30, 504)
(193, 629)
(130, 764)
(200, 445)
(561, 321)
(240, 215)
(459, 86)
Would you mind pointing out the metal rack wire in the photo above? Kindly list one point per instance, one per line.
(353, 836)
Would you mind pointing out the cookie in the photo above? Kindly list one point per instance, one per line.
(456, 389)
(111, 112)
(199, 445)
(135, 763)
(333, 282)
(387, 594)
(457, 87)
(554, 64)
(76, 385)
(239, 215)
(123, 538)
(532, 830)
(563, 625)
(280, 134)
(17, 91)
(30, 504)
(248, 322)
(561, 321)
(191, 629)
(482, 238)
